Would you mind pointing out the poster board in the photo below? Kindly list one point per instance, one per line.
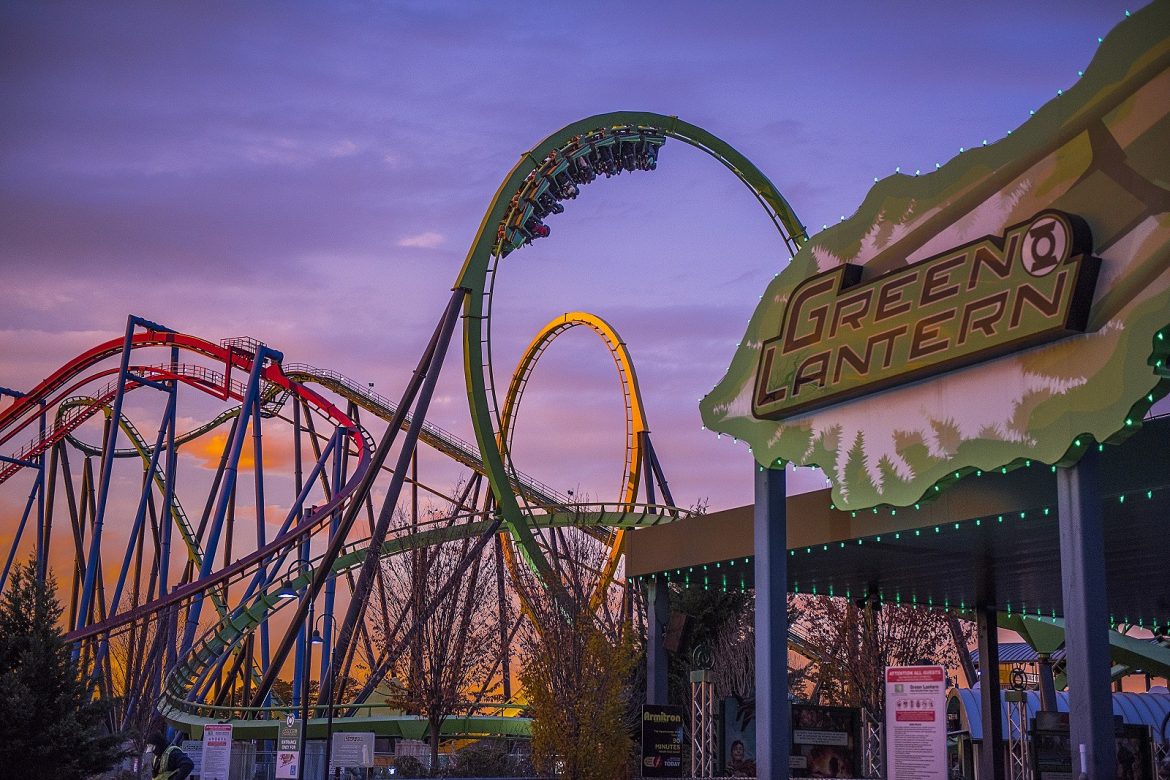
(352, 749)
(825, 741)
(916, 723)
(663, 737)
(288, 742)
(738, 744)
(194, 750)
(217, 752)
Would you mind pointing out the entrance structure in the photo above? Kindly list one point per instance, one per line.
(1008, 310)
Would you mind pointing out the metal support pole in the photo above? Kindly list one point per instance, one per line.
(227, 489)
(93, 559)
(702, 724)
(773, 714)
(332, 624)
(304, 713)
(42, 537)
(370, 566)
(657, 617)
(429, 363)
(1047, 683)
(1086, 615)
(167, 524)
(991, 751)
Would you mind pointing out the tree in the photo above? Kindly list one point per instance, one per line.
(48, 725)
(576, 674)
(853, 645)
(442, 591)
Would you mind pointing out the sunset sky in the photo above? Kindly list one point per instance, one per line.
(312, 175)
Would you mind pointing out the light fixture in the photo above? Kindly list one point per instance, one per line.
(286, 591)
(316, 638)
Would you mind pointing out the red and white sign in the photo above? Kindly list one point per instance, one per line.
(916, 723)
(217, 751)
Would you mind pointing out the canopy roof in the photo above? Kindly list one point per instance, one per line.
(991, 538)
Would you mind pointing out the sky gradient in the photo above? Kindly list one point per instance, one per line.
(313, 175)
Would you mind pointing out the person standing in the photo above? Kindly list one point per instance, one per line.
(170, 762)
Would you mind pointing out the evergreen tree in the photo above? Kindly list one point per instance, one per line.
(49, 727)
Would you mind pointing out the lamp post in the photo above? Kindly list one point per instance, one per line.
(316, 640)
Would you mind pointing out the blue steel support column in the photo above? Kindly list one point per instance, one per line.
(331, 583)
(93, 559)
(657, 616)
(302, 549)
(42, 555)
(261, 535)
(228, 485)
(166, 629)
(773, 714)
(1086, 615)
(990, 711)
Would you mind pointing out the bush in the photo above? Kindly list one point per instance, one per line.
(409, 766)
(485, 758)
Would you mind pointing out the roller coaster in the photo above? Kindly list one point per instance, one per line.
(203, 634)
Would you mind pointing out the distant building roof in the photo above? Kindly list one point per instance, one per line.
(1141, 709)
(1018, 653)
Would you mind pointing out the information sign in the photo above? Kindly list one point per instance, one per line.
(663, 736)
(217, 751)
(824, 741)
(288, 742)
(194, 750)
(353, 749)
(916, 723)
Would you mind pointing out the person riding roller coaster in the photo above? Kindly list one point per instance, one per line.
(170, 762)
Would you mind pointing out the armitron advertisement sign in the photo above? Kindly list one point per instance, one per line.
(1013, 305)
(662, 740)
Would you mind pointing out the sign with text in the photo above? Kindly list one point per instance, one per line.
(194, 750)
(916, 723)
(825, 741)
(288, 742)
(217, 752)
(353, 749)
(663, 736)
(1011, 306)
(842, 337)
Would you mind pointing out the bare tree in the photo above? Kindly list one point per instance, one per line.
(441, 596)
(854, 643)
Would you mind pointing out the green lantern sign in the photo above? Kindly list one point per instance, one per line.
(1011, 306)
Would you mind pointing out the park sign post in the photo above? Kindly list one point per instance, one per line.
(288, 742)
(1011, 305)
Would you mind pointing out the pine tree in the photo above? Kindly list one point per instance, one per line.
(49, 727)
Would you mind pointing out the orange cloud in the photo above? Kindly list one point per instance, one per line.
(277, 446)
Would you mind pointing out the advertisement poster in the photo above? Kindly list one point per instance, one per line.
(738, 746)
(288, 742)
(194, 750)
(1052, 753)
(916, 723)
(663, 737)
(353, 749)
(217, 751)
(825, 741)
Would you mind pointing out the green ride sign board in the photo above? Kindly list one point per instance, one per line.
(841, 338)
(1012, 306)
